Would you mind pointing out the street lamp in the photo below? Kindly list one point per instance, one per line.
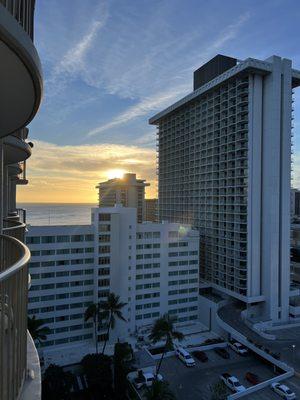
(293, 347)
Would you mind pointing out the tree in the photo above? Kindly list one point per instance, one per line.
(163, 329)
(111, 309)
(98, 373)
(37, 329)
(93, 312)
(123, 356)
(219, 391)
(56, 383)
(159, 391)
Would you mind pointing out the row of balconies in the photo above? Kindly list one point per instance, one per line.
(198, 134)
(13, 307)
(20, 97)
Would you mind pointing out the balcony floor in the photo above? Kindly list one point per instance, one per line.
(32, 385)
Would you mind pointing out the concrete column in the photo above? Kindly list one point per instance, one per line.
(254, 185)
(1, 185)
(12, 196)
(285, 188)
(5, 191)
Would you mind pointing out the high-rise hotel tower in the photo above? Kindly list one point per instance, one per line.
(224, 166)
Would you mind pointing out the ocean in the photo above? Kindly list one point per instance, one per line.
(57, 213)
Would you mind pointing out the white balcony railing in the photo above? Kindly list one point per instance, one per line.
(14, 257)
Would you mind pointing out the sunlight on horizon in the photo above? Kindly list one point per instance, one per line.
(115, 173)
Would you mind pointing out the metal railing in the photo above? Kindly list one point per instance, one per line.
(23, 12)
(14, 257)
(14, 229)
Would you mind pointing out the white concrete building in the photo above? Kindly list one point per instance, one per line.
(224, 158)
(154, 268)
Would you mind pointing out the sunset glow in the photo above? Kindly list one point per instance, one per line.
(115, 173)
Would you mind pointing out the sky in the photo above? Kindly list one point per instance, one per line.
(109, 65)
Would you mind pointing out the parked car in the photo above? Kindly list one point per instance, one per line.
(222, 352)
(252, 378)
(200, 355)
(283, 391)
(232, 382)
(239, 348)
(142, 379)
(185, 357)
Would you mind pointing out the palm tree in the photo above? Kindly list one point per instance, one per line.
(163, 329)
(159, 391)
(93, 312)
(111, 308)
(56, 383)
(37, 330)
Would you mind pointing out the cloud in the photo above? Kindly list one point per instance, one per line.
(74, 60)
(70, 173)
(142, 108)
(165, 87)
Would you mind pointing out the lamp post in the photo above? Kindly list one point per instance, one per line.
(293, 347)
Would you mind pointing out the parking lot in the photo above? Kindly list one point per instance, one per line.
(195, 382)
(266, 394)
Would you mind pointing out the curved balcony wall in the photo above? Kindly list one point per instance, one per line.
(13, 316)
(15, 150)
(20, 67)
(14, 229)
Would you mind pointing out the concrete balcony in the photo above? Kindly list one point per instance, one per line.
(14, 228)
(14, 258)
(31, 389)
(15, 148)
(20, 67)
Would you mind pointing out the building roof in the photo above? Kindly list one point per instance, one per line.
(248, 65)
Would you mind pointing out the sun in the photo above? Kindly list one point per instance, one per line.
(115, 173)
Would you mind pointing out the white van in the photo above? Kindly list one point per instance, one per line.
(185, 357)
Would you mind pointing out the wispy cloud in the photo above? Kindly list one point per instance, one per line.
(74, 61)
(174, 87)
(142, 108)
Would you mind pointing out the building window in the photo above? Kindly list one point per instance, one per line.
(48, 239)
(104, 238)
(89, 238)
(104, 217)
(104, 228)
(62, 239)
(77, 238)
(33, 240)
(103, 282)
(104, 260)
(62, 251)
(103, 271)
(104, 249)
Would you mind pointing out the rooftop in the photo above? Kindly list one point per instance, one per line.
(248, 65)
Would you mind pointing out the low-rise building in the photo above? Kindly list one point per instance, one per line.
(153, 267)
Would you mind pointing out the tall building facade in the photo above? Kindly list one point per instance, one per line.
(224, 157)
(154, 268)
(151, 210)
(128, 191)
(20, 96)
(295, 203)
